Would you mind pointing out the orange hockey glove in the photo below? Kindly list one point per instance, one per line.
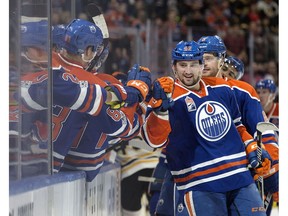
(139, 77)
(161, 94)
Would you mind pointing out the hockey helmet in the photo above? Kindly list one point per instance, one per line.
(34, 34)
(236, 63)
(266, 84)
(187, 50)
(58, 35)
(80, 34)
(212, 44)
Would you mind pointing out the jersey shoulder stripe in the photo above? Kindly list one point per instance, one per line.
(244, 86)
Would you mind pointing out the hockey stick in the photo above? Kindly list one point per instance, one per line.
(261, 128)
(267, 200)
(98, 18)
(136, 143)
(116, 146)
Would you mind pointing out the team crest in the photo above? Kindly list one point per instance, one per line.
(191, 106)
(187, 48)
(212, 120)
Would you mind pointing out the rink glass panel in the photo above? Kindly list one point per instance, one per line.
(29, 130)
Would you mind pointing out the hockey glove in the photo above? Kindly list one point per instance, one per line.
(119, 95)
(260, 168)
(132, 96)
(122, 77)
(140, 78)
(161, 99)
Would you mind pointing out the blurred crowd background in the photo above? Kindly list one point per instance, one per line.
(145, 30)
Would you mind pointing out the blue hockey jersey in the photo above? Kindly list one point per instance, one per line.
(204, 149)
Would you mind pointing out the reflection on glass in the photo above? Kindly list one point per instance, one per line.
(28, 68)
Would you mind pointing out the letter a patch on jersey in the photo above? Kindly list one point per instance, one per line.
(191, 106)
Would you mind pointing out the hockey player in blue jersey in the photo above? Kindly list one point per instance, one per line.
(84, 117)
(214, 57)
(247, 97)
(200, 131)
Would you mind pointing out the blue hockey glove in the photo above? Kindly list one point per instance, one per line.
(161, 94)
(260, 168)
(132, 96)
(140, 78)
(119, 95)
(138, 72)
(122, 77)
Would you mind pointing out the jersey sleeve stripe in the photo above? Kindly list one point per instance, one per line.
(81, 98)
(30, 102)
(97, 102)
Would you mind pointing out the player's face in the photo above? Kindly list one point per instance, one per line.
(211, 65)
(229, 72)
(264, 95)
(188, 72)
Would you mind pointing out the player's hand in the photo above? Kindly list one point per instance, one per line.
(140, 78)
(167, 83)
(260, 167)
(118, 96)
(161, 94)
(133, 96)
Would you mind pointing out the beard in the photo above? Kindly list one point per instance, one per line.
(190, 83)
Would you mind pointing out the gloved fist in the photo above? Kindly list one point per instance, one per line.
(264, 167)
(260, 167)
(161, 94)
(138, 72)
(140, 78)
(132, 96)
(167, 83)
(118, 96)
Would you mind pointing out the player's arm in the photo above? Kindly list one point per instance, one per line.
(69, 91)
(156, 127)
(34, 88)
(260, 167)
(250, 98)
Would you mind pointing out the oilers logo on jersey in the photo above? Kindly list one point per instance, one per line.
(212, 120)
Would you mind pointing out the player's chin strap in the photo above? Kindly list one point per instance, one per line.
(89, 60)
(220, 65)
(271, 98)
